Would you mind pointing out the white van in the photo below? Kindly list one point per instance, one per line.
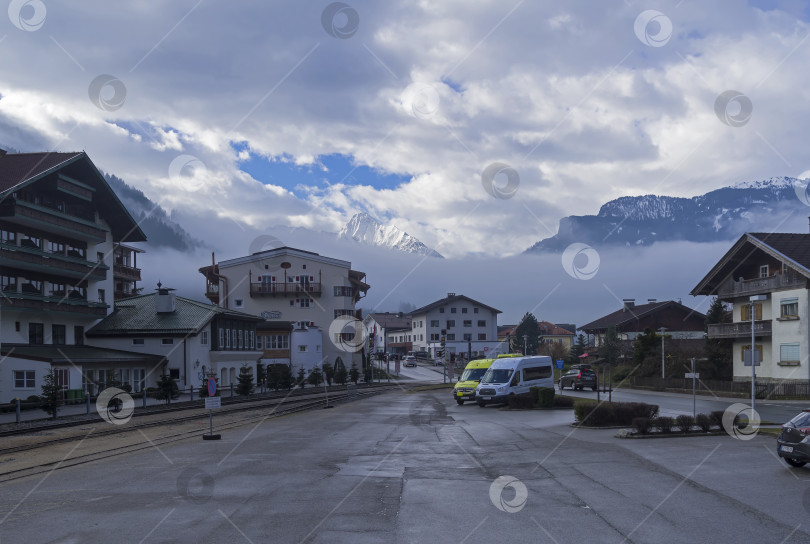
(514, 376)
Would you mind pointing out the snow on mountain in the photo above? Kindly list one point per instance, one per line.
(722, 214)
(365, 229)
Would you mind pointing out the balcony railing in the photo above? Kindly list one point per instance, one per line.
(212, 292)
(740, 288)
(14, 300)
(740, 330)
(127, 273)
(62, 265)
(282, 289)
(51, 220)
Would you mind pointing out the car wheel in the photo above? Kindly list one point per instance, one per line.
(459, 401)
(481, 403)
(795, 462)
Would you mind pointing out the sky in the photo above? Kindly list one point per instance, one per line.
(475, 128)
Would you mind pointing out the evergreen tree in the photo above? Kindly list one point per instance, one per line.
(261, 374)
(274, 373)
(51, 394)
(577, 349)
(328, 373)
(341, 376)
(718, 351)
(315, 376)
(646, 351)
(528, 327)
(611, 346)
(166, 389)
(302, 378)
(354, 374)
(245, 379)
(285, 377)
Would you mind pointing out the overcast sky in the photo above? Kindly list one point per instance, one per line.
(300, 114)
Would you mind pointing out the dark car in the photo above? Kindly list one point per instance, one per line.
(793, 443)
(578, 378)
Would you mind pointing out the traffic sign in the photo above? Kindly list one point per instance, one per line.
(212, 387)
(560, 363)
(692, 375)
(213, 402)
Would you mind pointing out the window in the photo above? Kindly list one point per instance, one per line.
(482, 336)
(441, 310)
(467, 337)
(746, 347)
(259, 342)
(221, 338)
(99, 257)
(8, 237)
(241, 336)
(277, 341)
(451, 336)
(76, 251)
(763, 271)
(468, 322)
(8, 283)
(174, 373)
(303, 302)
(228, 338)
(33, 287)
(55, 247)
(167, 341)
(137, 341)
(240, 303)
(789, 353)
(452, 310)
(24, 379)
(340, 313)
(78, 335)
(789, 307)
(536, 373)
(482, 322)
(36, 333)
(58, 290)
(746, 312)
(204, 338)
(434, 322)
(451, 323)
(62, 377)
(58, 335)
(252, 340)
(101, 296)
(302, 348)
(475, 310)
(434, 337)
(30, 242)
(342, 291)
(464, 310)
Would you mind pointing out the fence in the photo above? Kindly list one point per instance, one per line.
(765, 390)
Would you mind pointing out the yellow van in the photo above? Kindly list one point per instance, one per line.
(470, 378)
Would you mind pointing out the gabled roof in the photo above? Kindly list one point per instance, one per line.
(18, 170)
(63, 354)
(623, 317)
(138, 316)
(550, 329)
(449, 299)
(792, 249)
(389, 320)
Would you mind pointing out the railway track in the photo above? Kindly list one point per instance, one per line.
(47, 460)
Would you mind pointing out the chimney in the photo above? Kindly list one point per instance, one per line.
(165, 302)
(651, 300)
(2, 151)
(450, 295)
(629, 304)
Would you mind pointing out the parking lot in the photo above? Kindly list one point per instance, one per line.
(416, 467)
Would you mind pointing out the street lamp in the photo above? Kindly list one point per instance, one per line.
(525, 338)
(754, 299)
(661, 330)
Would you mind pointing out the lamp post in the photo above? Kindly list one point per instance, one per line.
(754, 299)
(661, 330)
(525, 339)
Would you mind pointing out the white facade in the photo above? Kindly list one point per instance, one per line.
(464, 320)
(299, 286)
(306, 349)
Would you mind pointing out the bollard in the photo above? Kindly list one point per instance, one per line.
(18, 410)
(87, 400)
(191, 387)
(231, 389)
(143, 393)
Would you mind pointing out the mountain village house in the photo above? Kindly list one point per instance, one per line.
(770, 272)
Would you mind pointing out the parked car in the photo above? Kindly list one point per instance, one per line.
(409, 360)
(793, 443)
(578, 378)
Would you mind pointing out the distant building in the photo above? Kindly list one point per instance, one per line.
(386, 329)
(192, 339)
(632, 320)
(62, 263)
(310, 291)
(471, 326)
(548, 333)
(775, 266)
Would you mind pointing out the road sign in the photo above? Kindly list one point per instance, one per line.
(560, 363)
(212, 387)
(692, 375)
(213, 402)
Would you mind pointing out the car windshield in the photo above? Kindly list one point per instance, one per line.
(473, 374)
(801, 420)
(497, 375)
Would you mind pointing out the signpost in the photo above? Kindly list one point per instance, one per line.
(560, 364)
(212, 402)
(694, 375)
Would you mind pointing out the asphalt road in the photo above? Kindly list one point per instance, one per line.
(415, 467)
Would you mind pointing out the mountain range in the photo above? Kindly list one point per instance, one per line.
(722, 214)
(365, 229)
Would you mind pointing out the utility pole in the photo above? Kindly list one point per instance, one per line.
(663, 373)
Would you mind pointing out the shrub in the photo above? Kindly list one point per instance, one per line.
(561, 401)
(543, 397)
(717, 418)
(642, 424)
(664, 424)
(685, 422)
(624, 413)
(704, 422)
(521, 402)
(593, 414)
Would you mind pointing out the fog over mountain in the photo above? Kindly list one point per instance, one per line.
(365, 229)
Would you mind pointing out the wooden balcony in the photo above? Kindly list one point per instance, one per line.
(126, 273)
(758, 286)
(284, 289)
(28, 301)
(212, 293)
(36, 260)
(740, 330)
(51, 220)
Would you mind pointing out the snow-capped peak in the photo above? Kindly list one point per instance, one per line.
(366, 229)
